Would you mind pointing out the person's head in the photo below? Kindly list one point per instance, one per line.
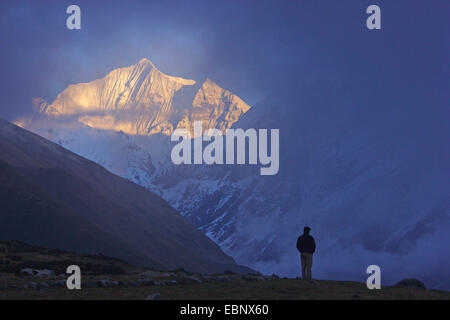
(306, 230)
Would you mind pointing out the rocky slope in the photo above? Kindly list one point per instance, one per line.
(53, 197)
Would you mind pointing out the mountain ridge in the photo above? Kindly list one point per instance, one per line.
(141, 100)
(131, 222)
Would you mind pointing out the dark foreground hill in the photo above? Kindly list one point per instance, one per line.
(52, 197)
(29, 272)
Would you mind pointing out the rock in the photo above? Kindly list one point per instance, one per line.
(133, 283)
(228, 272)
(61, 283)
(223, 279)
(154, 296)
(195, 279)
(207, 278)
(57, 283)
(43, 285)
(45, 273)
(170, 282)
(146, 282)
(171, 274)
(52, 283)
(89, 284)
(27, 271)
(249, 278)
(37, 272)
(180, 270)
(189, 280)
(411, 284)
(146, 274)
(104, 283)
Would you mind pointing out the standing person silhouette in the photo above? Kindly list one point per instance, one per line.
(306, 246)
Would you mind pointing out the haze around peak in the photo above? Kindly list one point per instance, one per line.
(141, 100)
(249, 56)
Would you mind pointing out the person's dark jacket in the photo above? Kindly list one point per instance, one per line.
(306, 244)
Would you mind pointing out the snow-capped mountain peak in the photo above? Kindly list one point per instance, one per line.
(141, 100)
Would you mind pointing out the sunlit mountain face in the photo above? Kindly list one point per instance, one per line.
(141, 100)
(357, 171)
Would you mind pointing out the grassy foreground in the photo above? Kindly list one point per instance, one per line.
(285, 289)
(31, 272)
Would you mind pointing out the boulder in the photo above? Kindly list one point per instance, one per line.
(104, 283)
(195, 279)
(146, 282)
(154, 296)
(43, 285)
(132, 283)
(223, 279)
(61, 283)
(189, 280)
(90, 284)
(411, 284)
(249, 278)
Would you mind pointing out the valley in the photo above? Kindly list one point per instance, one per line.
(347, 174)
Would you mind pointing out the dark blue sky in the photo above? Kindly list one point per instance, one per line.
(248, 47)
